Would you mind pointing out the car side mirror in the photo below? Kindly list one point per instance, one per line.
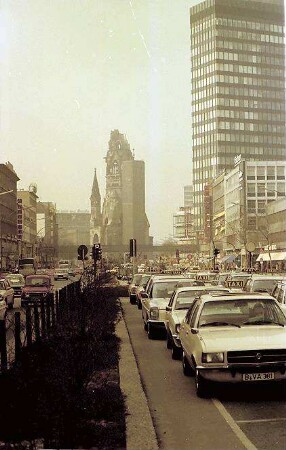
(144, 295)
(194, 330)
(168, 308)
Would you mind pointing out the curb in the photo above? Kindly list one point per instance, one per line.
(140, 432)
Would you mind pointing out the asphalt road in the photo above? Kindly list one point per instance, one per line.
(237, 417)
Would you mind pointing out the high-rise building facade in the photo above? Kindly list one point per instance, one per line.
(238, 87)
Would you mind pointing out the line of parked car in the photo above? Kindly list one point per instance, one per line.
(225, 327)
(32, 288)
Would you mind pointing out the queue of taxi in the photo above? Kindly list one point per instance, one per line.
(225, 327)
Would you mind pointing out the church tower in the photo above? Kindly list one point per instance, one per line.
(118, 152)
(96, 216)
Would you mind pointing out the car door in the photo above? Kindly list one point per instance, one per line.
(185, 327)
(10, 292)
(169, 309)
(145, 299)
(191, 338)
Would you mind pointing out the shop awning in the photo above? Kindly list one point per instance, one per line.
(228, 259)
(275, 256)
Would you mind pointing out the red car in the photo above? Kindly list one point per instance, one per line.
(37, 287)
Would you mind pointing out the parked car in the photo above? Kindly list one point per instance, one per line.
(262, 283)
(279, 292)
(61, 274)
(141, 288)
(6, 293)
(36, 289)
(133, 286)
(154, 301)
(234, 338)
(16, 281)
(180, 301)
(71, 272)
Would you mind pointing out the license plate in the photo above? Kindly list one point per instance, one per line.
(258, 376)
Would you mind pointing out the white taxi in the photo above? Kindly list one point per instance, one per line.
(180, 301)
(234, 338)
(154, 301)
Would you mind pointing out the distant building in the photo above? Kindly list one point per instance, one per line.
(73, 228)
(188, 196)
(8, 216)
(238, 87)
(47, 239)
(27, 221)
(123, 214)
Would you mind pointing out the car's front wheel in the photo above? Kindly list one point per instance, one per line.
(202, 385)
(169, 340)
(176, 352)
(187, 370)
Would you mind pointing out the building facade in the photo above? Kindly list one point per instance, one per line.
(238, 87)
(47, 241)
(73, 230)
(250, 188)
(27, 221)
(8, 217)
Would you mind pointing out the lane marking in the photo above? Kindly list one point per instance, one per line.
(278, 419)
(233, 425)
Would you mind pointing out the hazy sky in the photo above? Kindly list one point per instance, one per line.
(72, 71)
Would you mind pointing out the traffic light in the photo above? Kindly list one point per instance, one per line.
(132, 247)
(96, 252)
(216, 251)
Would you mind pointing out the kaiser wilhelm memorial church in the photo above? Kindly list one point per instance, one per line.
(122, 216)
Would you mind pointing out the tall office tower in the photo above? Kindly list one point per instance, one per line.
(238, 87)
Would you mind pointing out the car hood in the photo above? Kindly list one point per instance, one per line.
(251, 337)
(179, 315)
(161, 303)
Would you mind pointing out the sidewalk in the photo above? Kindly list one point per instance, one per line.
(140, 432)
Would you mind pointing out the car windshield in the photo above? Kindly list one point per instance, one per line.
(185, 299)
(136, 279)
(15, 280)
(37, 282)
(241, 312)
(163, 289)
(144, 279)
(264, 285)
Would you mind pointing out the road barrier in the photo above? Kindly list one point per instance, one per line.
(34, 325)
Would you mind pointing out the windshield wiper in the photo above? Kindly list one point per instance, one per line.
(220, 323)
(263, 322)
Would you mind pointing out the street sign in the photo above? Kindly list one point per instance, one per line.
(82, 250)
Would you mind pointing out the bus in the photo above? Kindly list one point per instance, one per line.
(27, 266)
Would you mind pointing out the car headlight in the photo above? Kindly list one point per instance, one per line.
(177, 327)
(154, 313)
(212, 357)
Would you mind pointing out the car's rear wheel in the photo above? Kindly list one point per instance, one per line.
(202, 385)
(187, 370)
(152, 333)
